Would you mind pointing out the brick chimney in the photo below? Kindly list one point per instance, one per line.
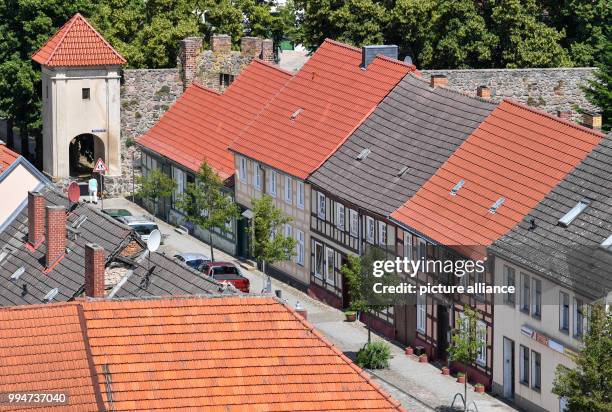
(94, 270)
(250, 46)
(438, 80)
(267, 50)
(483, 92)
(564, 114)
(55, 234)
(592, 120)
(36, 218)
(221, 43)
(188, 58)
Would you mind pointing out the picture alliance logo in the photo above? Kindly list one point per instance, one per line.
(411, 267)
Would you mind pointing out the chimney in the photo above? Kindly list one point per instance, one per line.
(267, 51)
(483, 92)
(564, 114)
(56, 234)
(369, 53)
(94, 270)
(592, 120)
(188, 58)
(36, 218)
(221, 43)
(250, 46)
(438, 80)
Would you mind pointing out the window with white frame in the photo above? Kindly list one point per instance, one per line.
(340, 216)
(525, 292)
(242, 169)
(370, 229)
(421, 312)
(288, 189)
(479, 277)
(321, 205)
(318, 257)
(536, 305)
(564, 311)
(299, 200)
(288, 231)
(257, 176)
(353, 222)
(299, 253)
(408, 245)
(330, 271)
(509, 280)
(524, 365)
(578, 318)
(422, 249)
(272, 182)
(536, 370)
(382, 233)
(481, 336)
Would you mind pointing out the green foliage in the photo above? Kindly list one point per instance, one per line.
(351, 271)
(374, 355)
(599, 92)
(269, 242)
(204, 203)
(154, 186)
(588, 387)
(464, 340)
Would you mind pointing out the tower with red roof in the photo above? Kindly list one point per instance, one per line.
(81, 100)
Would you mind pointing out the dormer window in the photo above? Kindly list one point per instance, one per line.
(225, 80)
(569, 217)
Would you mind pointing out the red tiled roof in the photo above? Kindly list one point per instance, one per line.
(42, 350)
(517, 153)
(77, 43)
(7, 157)
(214, 354)
(334, 94)
(202, 123)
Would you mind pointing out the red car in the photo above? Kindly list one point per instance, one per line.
(226, 272)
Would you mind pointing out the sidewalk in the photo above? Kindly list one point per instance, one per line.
(418, 386)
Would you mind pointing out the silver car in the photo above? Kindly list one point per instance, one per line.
(193, 260)
(141, 225)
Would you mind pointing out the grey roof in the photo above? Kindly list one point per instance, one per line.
(414, 126)
(571, 256)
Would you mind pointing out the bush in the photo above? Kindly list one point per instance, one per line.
(374, 355)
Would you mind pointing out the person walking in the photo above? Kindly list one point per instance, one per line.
(93, 190)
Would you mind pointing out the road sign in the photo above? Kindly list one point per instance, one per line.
(100, 167)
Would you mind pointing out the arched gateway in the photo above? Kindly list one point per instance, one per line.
(81, 101)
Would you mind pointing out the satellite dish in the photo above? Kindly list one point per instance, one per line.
(154, 240)
(74, 192)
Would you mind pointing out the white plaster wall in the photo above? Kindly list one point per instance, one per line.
(14, 190)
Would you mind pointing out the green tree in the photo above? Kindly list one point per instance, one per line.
(588, 387)
(599, 91)
(269, 242)
(155, 186)
(464, 343)
(207, 205)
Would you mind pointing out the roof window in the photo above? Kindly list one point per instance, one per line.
(456, 188)
(51, 294)
(497, 204)
(402, 171)
(607, 244)
(364, 153)
(295, 114)
(17, 274)
(569, 217)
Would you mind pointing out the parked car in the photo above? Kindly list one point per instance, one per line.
(226, 272)
(141, 225)
(193, 260)
(117, 213)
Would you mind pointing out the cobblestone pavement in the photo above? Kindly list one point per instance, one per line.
(418, 386)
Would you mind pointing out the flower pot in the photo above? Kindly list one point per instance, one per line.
(409, 351)
(351, 317)
(423, 358)
(479, 389)
(445, 371)
(461, 379)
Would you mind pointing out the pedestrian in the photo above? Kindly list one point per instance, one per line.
(93, 190)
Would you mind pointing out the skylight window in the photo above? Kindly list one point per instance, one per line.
(402, 171)
(17, 274)
(51, 294)
(497, 204)
(569, 217)
(364, 153)
(456, 188)
(295, 114)
(607, 244)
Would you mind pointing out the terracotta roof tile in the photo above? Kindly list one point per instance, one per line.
(225, 354)
(517, 153)
(77, 43)
(7, 157)
(202, 123)
(328, 98)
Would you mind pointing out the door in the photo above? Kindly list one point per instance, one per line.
(243, 238)
(346, 298)
(405, 320)
(442, 319)
(508, 368)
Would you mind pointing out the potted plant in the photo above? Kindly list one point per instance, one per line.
(351, 315)
(479, 388)
(409, 351)
(423, 358)
(445, 371)
(461, 377)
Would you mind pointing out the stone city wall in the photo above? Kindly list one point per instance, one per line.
(546, 89)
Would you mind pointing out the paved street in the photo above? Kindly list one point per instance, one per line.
(420, 387)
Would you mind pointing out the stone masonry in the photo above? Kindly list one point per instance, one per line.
(551, 90)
